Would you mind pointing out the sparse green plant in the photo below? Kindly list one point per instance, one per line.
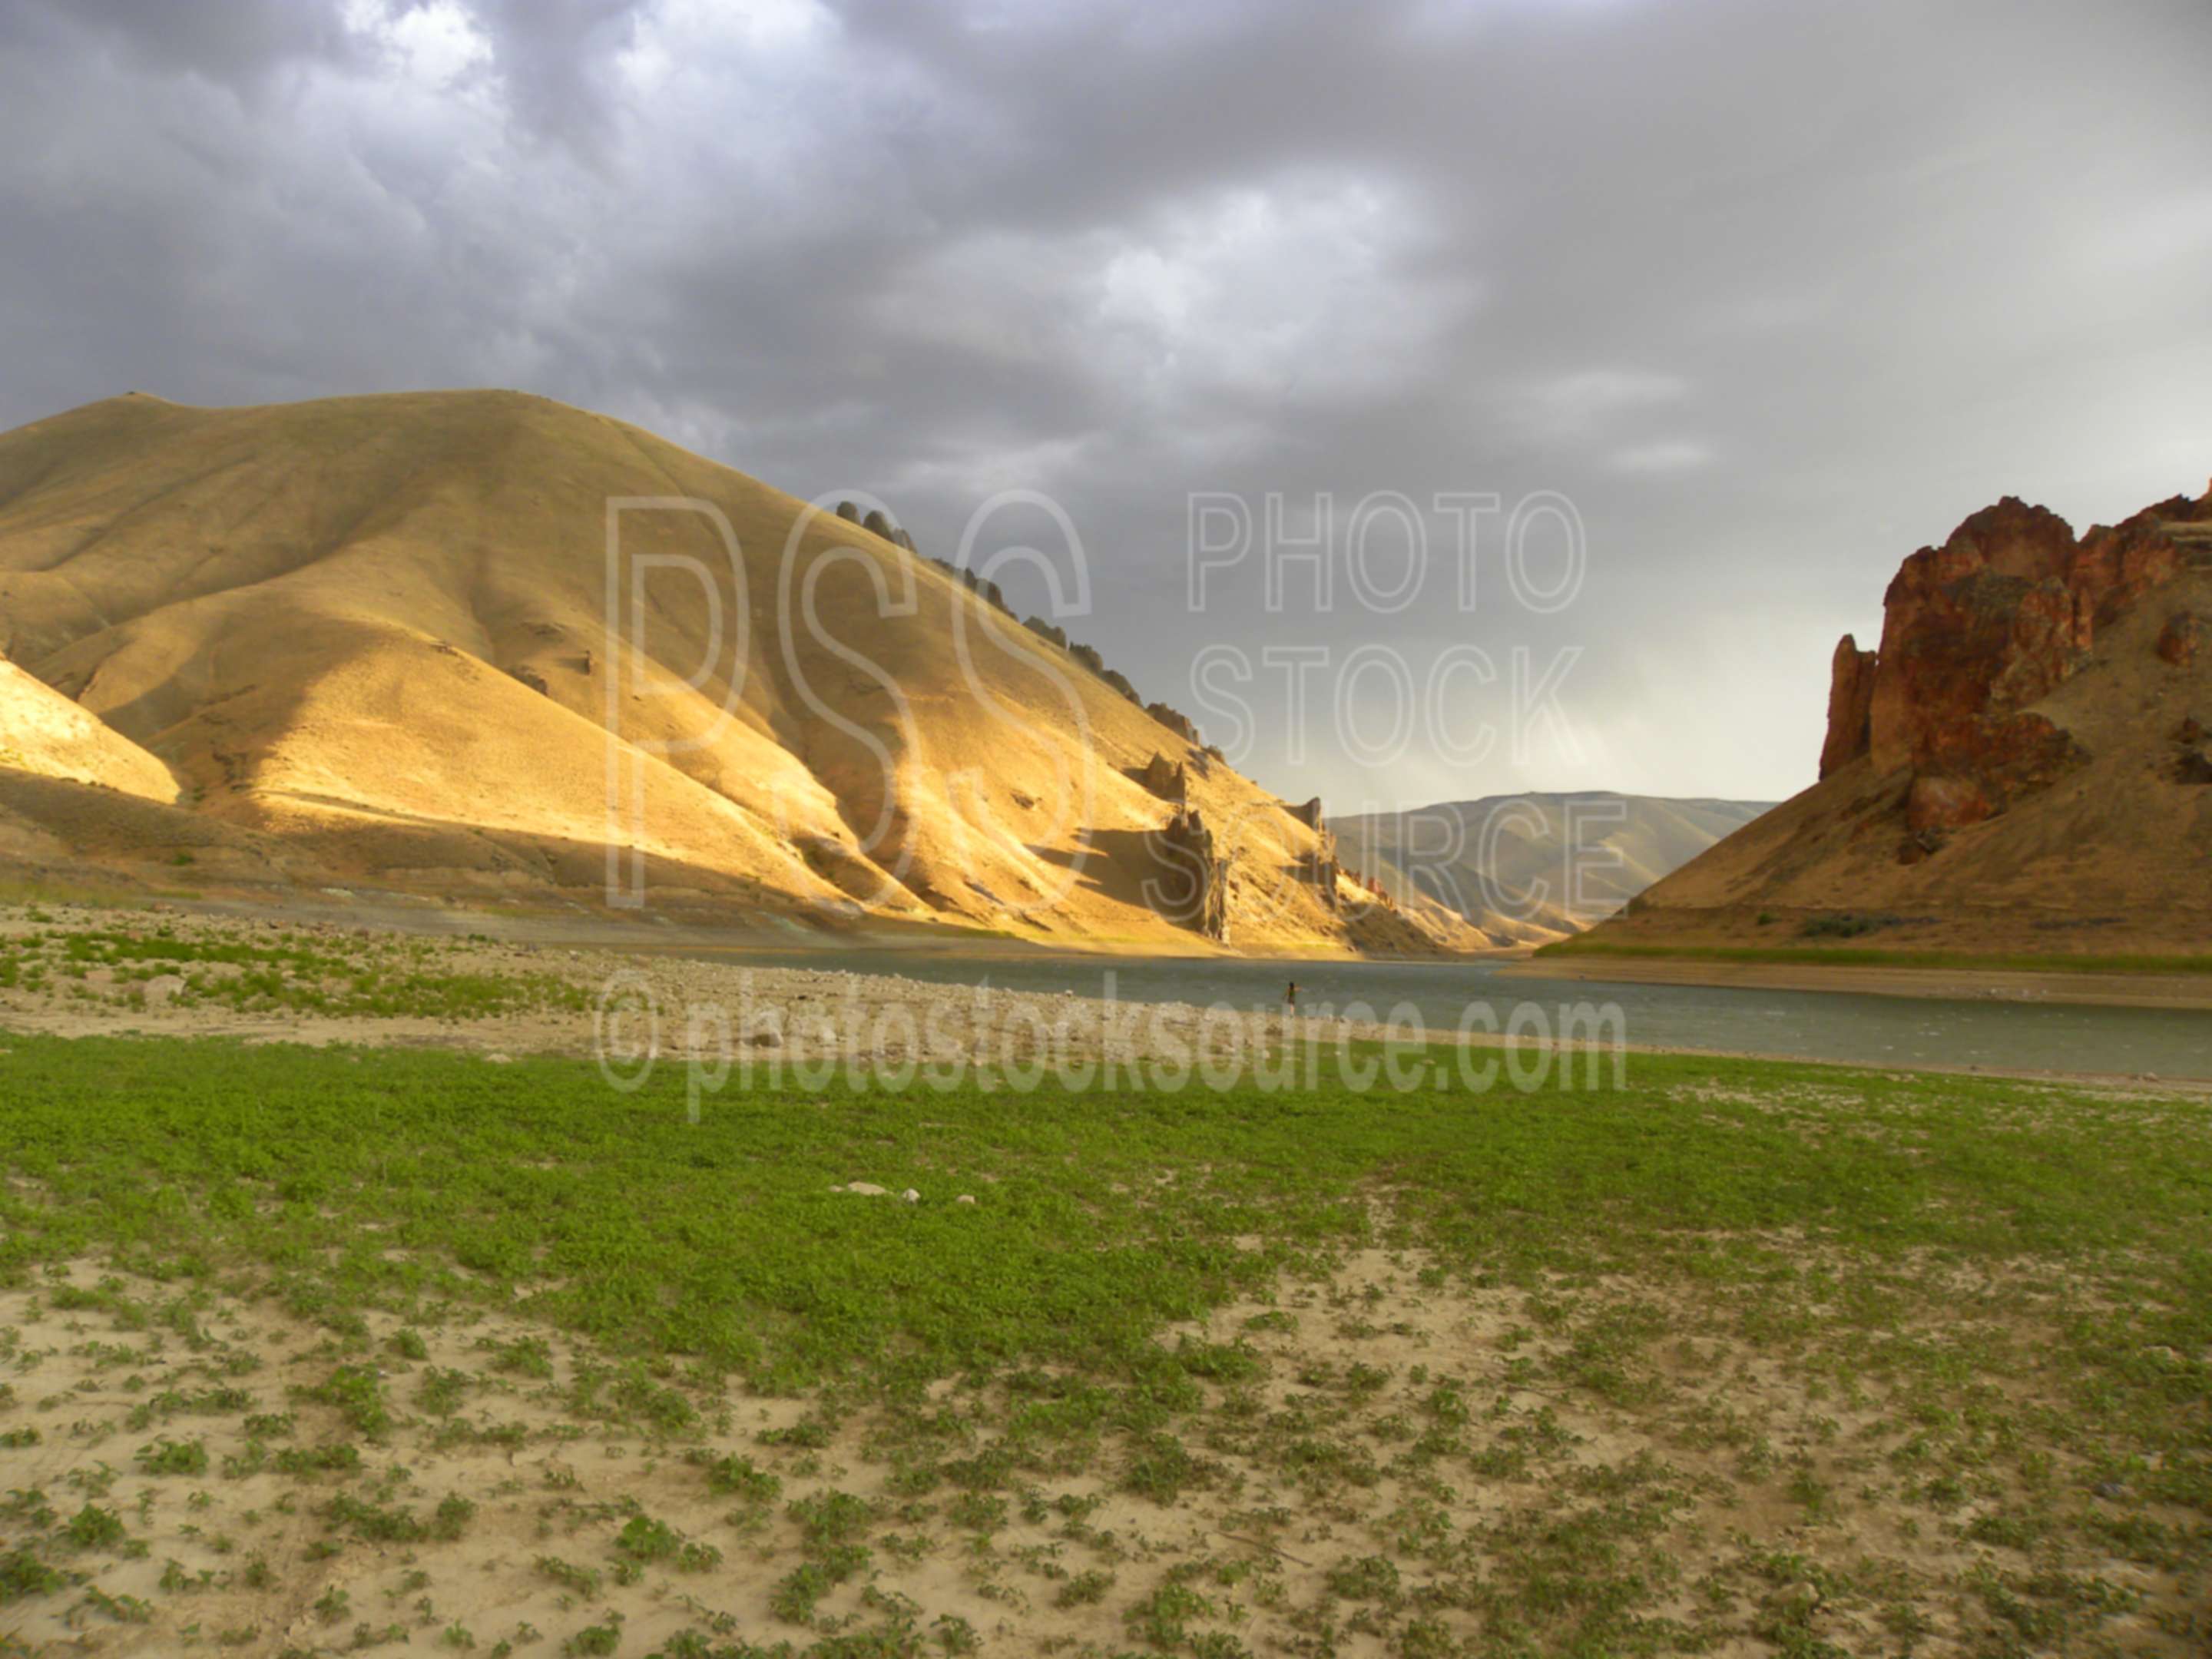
(582, 1581)
(22, 1574)
(1370, 1578)
(93, 1527)
(167, 1456)
(644, 1539)
(1085, 1588)
(357, 1393)
(736, 1476)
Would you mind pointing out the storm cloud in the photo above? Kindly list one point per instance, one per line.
(1771, 294)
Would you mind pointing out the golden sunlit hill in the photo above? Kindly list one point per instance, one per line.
(2024, 766)
(366, 642)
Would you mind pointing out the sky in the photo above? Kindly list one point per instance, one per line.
(1726, 305)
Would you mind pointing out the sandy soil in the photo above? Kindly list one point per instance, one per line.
(1330, 1492)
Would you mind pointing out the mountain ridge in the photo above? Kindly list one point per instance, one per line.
(1510, 864)
(368, 639)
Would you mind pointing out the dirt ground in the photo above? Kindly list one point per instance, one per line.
(1394, 1446)
(631, 1000)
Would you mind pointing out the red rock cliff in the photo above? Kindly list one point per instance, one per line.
(1850, 705)
(1977, 630)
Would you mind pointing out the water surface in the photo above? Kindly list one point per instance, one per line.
(1854, 1027)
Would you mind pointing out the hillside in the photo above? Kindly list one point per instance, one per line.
(366, 641)
(44, 734)
(1527, 868)
(2024, 765)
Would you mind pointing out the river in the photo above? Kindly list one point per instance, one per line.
(1854, 1028)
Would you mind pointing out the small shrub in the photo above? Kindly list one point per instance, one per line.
(23, 1574)
(646, 1540)
(831, 1517)
(1844, 925)
(442, 1392)
(582, 1581)
(737, 1477)
(977, 1512)
(1371, 1578)
(795, 1594)
(319, 1460)
(167, 1456)
(1085, 1590)
(1163, 1618)
(359, 1397)
(808, 1434)
(1162, 1469)
(526, 1356)
(93, 1527)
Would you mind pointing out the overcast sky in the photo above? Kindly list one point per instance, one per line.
(1771, 291)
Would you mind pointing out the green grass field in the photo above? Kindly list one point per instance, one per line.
(1812, 1360)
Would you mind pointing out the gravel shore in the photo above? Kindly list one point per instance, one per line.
(576, 1001)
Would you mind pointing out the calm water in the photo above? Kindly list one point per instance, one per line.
(1856, 1028)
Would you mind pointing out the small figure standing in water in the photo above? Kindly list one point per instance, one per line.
(1291, 997)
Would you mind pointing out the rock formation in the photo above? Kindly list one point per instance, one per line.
(1323, 868)
(2029, 772)
(1165, 778)
(1973, 633)
(1193, 889)
(2177, 643)
(1178, 723)
(1850, 706)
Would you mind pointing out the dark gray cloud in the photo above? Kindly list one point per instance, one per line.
(1772, 293)
(234, 43)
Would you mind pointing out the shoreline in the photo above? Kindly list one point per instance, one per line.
(797, 1010)
(2191, 993)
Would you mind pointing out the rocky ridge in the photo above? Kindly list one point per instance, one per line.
(2020, 768)
(1977, 631)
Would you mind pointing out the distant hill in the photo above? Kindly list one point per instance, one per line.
(2024, 765)
(1529, 868)
(366, 639)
